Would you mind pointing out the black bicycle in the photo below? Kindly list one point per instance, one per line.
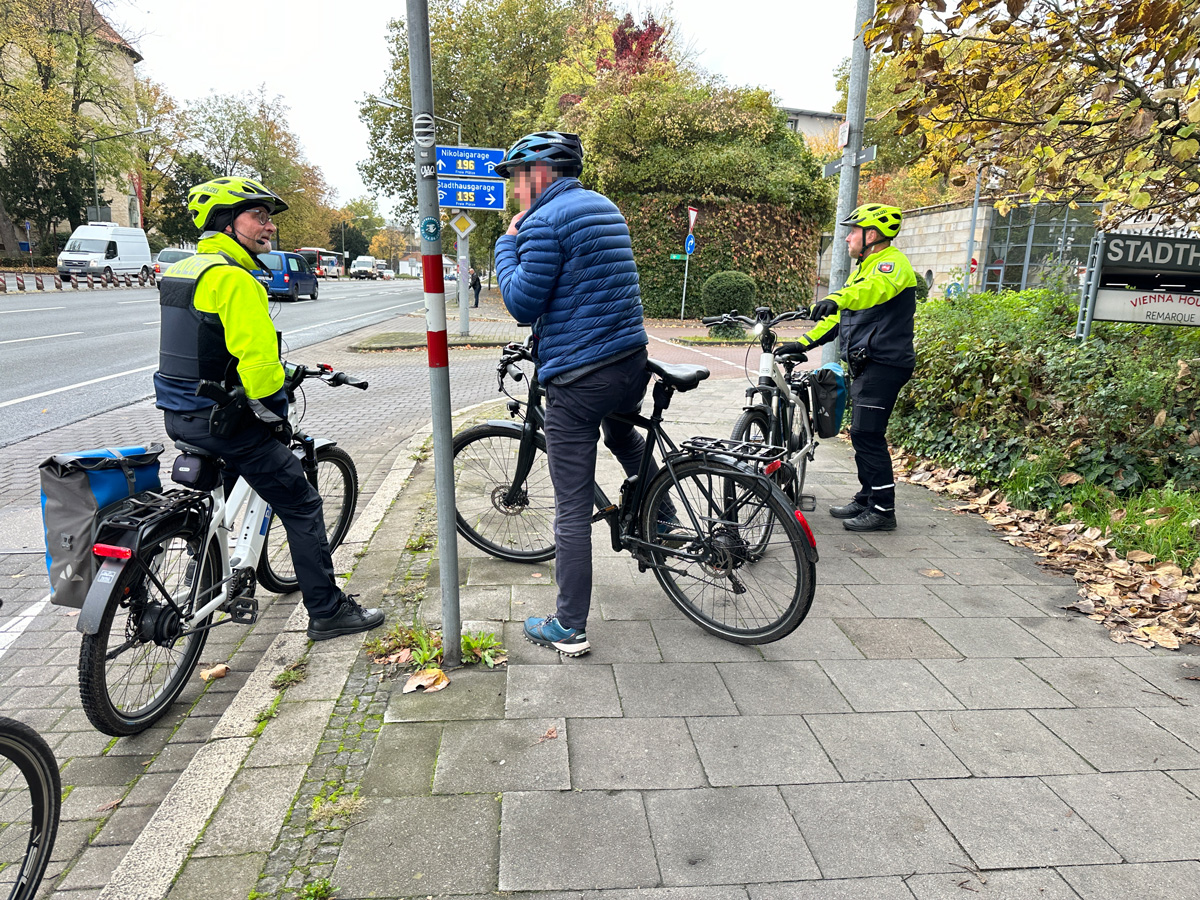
(726, 544)
(30, 802)
(781, 403)
(177, 563)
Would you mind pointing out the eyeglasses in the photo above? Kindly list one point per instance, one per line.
(264, 217)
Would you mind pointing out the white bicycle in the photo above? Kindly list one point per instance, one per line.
(178, 563)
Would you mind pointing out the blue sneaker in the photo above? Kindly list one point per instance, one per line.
(548, 632)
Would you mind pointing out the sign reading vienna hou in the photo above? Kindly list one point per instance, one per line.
(1171, 265)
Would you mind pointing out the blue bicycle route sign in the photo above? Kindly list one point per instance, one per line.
(689, 245)
(468, 162)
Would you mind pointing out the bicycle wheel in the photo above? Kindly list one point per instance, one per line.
(136, 664)
(485, 461)
(753, 580)
(337, 483)
(755, 425)
(30, 792)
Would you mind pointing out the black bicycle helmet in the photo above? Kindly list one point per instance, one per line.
(559, 148)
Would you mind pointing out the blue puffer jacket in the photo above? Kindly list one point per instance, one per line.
(569, 270)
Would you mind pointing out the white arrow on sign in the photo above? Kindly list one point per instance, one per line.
(441, 165)
(491, 199)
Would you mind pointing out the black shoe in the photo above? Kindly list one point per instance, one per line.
(871, 520)
(849, 511)
(347, 618)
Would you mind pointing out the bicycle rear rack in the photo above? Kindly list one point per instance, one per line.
(748, 451)
(143, 511)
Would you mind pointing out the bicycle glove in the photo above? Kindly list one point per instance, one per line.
(823, 309)
(793, 349)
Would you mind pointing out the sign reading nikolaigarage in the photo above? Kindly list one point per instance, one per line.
(1145, 278)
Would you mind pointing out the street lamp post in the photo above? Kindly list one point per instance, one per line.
(93, 142)
(394, 105)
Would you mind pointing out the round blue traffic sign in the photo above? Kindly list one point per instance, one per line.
(689, 246)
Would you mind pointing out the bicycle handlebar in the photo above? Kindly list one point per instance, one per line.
(326, 374)
(765, 319)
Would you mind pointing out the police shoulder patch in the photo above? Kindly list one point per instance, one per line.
(886, 267)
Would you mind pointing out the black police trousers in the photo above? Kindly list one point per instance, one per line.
(873, 392)
(276, 475)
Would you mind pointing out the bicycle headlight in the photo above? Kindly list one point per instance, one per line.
(758, 327)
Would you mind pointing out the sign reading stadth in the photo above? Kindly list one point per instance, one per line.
(471, 193)
(469, 162)
(1123, 251)
(1152, 307)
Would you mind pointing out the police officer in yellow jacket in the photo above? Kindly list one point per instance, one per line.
(216, 326)
(873, 316)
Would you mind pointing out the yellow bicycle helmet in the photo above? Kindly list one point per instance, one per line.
(231, 195)
(884, 219)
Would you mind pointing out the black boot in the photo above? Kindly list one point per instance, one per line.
(347, 618)
(871, 520)
(849, 511)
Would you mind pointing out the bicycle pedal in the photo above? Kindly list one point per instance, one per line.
(808, 503)
(244, 610)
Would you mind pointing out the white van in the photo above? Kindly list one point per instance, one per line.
(364, 267)
(102, 248)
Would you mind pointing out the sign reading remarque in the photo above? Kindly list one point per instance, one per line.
(1149, 279)
(1159, 254)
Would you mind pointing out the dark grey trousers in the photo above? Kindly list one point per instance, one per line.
(277, 475)
(874, 392)
(575, 417)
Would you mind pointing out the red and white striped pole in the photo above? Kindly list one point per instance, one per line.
(420, 74)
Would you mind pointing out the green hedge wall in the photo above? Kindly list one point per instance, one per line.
(17, 263)
(772, 244)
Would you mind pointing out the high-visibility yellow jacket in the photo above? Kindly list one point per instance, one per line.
(875, 311)
(216, 325)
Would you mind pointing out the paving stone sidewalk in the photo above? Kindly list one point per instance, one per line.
(938, 727)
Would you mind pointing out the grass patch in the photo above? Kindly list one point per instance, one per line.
(423, 646)
(293, 673)
(317, 890)
(421, 540)
(483, 647)
(1164, 522)
(336, 808)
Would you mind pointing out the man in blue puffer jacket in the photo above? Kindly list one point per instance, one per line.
(566, 266)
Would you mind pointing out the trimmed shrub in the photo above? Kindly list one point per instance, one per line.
(729, 292)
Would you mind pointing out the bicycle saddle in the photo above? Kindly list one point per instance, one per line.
(185, 447)
(680, 376)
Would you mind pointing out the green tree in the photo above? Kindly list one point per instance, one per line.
(1076, 101)
(364, 211)
(356, 243)
(169, 206)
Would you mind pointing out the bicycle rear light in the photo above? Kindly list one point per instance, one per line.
(112, 551)
(774, 467)
(804, 524)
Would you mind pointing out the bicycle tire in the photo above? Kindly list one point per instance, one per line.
(30, 792)
(738, 594)
(126, 629)
(755, 424)
(337, 483)
(484, 459)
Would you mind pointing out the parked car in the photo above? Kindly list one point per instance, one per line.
(387, 274)
(364, 267)
(107, 249)
(289, 274)
(164, 258)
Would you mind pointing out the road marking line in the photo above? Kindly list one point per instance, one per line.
(44, 337)
(17, 625)
(71, 387)
(124, 302)
(351, 318)
(4, 312)
(694, 350)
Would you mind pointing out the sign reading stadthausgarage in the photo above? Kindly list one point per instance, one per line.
(1159, 254)
(1149, 279)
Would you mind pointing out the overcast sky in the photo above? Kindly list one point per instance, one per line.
(323, 58)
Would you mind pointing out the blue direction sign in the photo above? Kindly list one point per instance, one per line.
(690, 244)
(468, 162)
(470, 193)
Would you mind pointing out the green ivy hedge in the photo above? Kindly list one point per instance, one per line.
(1004, 391)
(17, 263)
(772, 244)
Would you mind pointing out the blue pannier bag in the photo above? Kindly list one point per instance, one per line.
(76, 489)
(829, 393)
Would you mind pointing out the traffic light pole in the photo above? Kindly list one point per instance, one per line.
(425, 152)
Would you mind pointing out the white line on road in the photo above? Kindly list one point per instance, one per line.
(71, 387)
(4, 312)
(694, 350)
(44, 337)
(16, 626)
(124, 302)
(351, 318)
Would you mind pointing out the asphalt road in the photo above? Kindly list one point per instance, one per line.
(70, 355)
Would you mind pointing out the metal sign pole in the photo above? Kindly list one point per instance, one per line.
(424, 141)
(464, 290)
(683, 302)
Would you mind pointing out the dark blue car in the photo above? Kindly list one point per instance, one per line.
(290, 276)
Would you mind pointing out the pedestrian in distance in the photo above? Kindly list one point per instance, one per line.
(475, 285)
(216, 326)
(873, 316)
(566, 266)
